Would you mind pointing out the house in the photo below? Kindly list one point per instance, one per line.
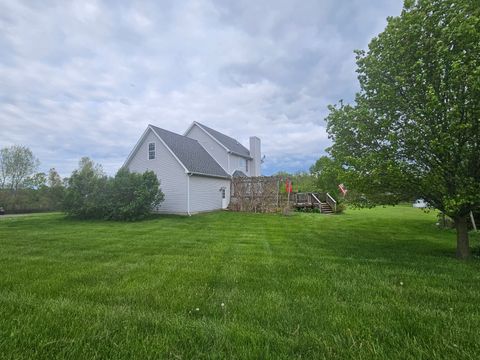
(194, 169)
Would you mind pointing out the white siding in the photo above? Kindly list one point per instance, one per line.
(218, 152)
(205, 194)
(234, 164)
(172, 177)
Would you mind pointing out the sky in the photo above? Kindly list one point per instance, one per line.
(85, 78)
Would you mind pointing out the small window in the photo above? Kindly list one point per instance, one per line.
(241, 163)
(222, 190)
(246, 166)
(151, 151)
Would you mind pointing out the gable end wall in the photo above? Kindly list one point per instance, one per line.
(172, 176)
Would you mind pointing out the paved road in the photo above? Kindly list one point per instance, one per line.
(11, 215)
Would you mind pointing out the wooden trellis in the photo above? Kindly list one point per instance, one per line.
(257, 194)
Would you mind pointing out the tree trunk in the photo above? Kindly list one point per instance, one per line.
(463, 248)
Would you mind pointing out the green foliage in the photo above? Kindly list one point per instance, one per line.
(414, 130)
(370, 284)
(16, 164)
(132, 196)
(86, 195)
(56, 189)
(127, 196)
(36, 181)
(301, 181)
(328, 174)
(22, 190)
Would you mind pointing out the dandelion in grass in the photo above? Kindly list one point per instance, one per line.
(401, 283)
(222, 305)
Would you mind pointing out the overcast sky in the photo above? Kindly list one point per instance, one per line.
(85, 78)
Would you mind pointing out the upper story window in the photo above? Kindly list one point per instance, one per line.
(151, 151)
(241, 163)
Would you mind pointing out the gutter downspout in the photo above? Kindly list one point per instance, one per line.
(188, 194)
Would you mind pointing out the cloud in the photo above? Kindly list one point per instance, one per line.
(84, 78)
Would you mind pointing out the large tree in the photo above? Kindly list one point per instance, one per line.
(16, 164)
(328, 174)
(414, 129)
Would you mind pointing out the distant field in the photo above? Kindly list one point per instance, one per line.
(368, 284)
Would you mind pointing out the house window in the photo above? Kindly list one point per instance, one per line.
(241, 163)
(246, 166)
(222, 191)
(151, 151)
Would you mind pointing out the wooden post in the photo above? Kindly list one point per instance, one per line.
(278, 192)
(473, 221)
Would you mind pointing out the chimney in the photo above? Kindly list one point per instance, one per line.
(256, 154)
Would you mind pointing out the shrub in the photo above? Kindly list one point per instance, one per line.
(86, 194)
(132, 196)
(340, 207)
(127, 196)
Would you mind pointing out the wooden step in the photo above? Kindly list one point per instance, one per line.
(325, 208)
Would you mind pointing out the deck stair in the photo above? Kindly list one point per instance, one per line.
(322, 201)
(325, 208)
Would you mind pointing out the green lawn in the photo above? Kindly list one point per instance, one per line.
(367, 284)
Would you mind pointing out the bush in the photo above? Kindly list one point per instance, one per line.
(132, 196)
(86, 194)
(340, 207)
(127, 196)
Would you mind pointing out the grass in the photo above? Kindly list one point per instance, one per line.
(369, 284)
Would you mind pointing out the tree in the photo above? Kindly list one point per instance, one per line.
(36, 181)
(4, 160)
(56, 190)
(86, 194)
(414, 129)
(16, 164)
(328, 175)
(54, 179)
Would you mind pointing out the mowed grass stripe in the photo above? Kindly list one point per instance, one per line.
(378, 283)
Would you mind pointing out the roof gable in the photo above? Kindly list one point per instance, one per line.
(228, 142)
(190, 153)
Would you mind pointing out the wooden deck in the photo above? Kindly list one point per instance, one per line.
(309, 200)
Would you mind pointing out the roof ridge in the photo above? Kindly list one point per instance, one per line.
(211, 129)
(190, 153)
(171, 132)
(237, 147)
(174, 133)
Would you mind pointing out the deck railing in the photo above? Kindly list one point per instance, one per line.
(331, 201)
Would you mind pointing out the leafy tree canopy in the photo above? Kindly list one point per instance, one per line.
(328, 174)
(16, 164)
(414, 129)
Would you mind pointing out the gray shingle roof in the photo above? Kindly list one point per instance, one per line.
(230, 143)
(190, 153)
(238, 173)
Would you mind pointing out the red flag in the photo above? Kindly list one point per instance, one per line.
(288, 186)
(343, 190)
